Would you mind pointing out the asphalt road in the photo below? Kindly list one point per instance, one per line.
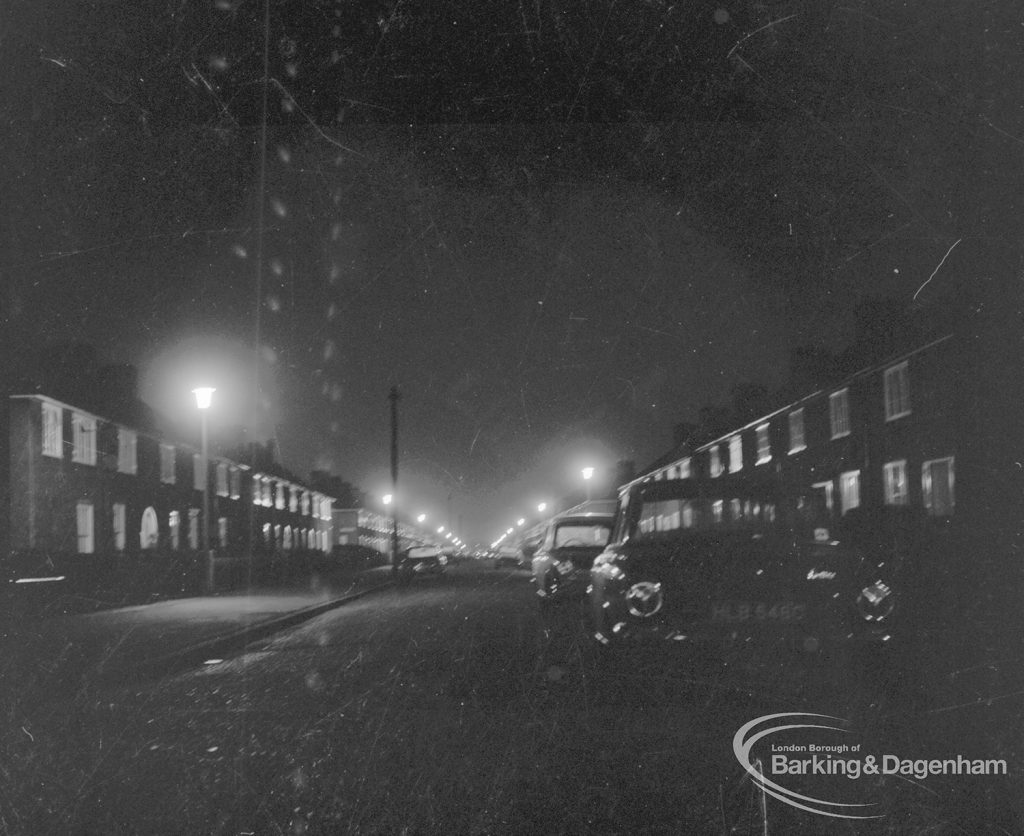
(452, 706)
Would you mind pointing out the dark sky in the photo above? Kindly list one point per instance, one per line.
(558, 227)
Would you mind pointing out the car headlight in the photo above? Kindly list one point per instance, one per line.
(876, 601)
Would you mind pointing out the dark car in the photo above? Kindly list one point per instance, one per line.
(691, 561)
(426, 560)
(562, 562)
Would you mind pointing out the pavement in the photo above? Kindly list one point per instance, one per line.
(174, 633)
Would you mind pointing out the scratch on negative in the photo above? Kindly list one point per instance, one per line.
(766, 26)
(936, 270)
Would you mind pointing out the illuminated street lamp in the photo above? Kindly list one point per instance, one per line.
(440, 529)
(204, 398)
(421, 518)
(521, 522)
(588, 474)
(542, 507)
(387, 499)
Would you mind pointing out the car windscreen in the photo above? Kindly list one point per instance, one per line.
(582, 534)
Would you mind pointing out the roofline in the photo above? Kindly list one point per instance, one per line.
(793, 405)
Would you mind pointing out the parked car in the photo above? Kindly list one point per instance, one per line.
(425, 560)
(562, 562)
(703, 562)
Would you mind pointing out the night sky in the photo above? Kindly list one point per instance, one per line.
(558, 227)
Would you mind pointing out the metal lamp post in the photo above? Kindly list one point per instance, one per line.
(204, 398)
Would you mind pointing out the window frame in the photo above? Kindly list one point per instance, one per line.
(86, 535)
(764, 444)
(844, 477)
(898, 395)
(127, 451)
(889, 483)
(926, 485)
(83, 439)
(736, 453)
(52, 441)
(794, 445)
(168, 464)
(839, 421)
(715, 461)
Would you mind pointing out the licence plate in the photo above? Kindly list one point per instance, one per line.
(776, 613)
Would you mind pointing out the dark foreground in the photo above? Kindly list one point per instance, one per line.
(452, 706)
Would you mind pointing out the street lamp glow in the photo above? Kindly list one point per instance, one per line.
(588, 472)
(440, 529)
(521, 521)
(421, 518)
(204, 396)
(509, 531)
(542, 507)
(387, 499)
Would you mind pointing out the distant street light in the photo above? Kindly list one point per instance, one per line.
(440, 529)
(521, 521)
(421, 518)
(204, 399)
(588, 474)
(387, 499)
(542, 507)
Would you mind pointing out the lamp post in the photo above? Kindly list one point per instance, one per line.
(393, 398)
(204, 398)
(588, 474)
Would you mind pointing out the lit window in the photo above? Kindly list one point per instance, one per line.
(236, 483)
(896, 384)
(127, 447)
(839, 413)
(796, 431)
(718, 510)
(149, 530)
(764, 445)
(937, 487)
(84, 520)
(53, 431)
(287, 538)
(684, 469)
(735, 453)
(895, 474)
(167, 464)
(193, 528)
(119, 525)
(279, 497)
(222, 479)
(305, 503)
(83, 435)
(267, 498)
(293, 500)
(198, 472)
(222, 532)
(849, 491)
(716, 461)
(174, 524)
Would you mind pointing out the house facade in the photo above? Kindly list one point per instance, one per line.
(89, 495)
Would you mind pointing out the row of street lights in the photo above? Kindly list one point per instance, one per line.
(587, 473)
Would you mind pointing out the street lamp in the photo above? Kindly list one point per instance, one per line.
(542, 507)
(387, 499)
(421, 518)
(588, 474)
(204, 398)
(521, 522)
